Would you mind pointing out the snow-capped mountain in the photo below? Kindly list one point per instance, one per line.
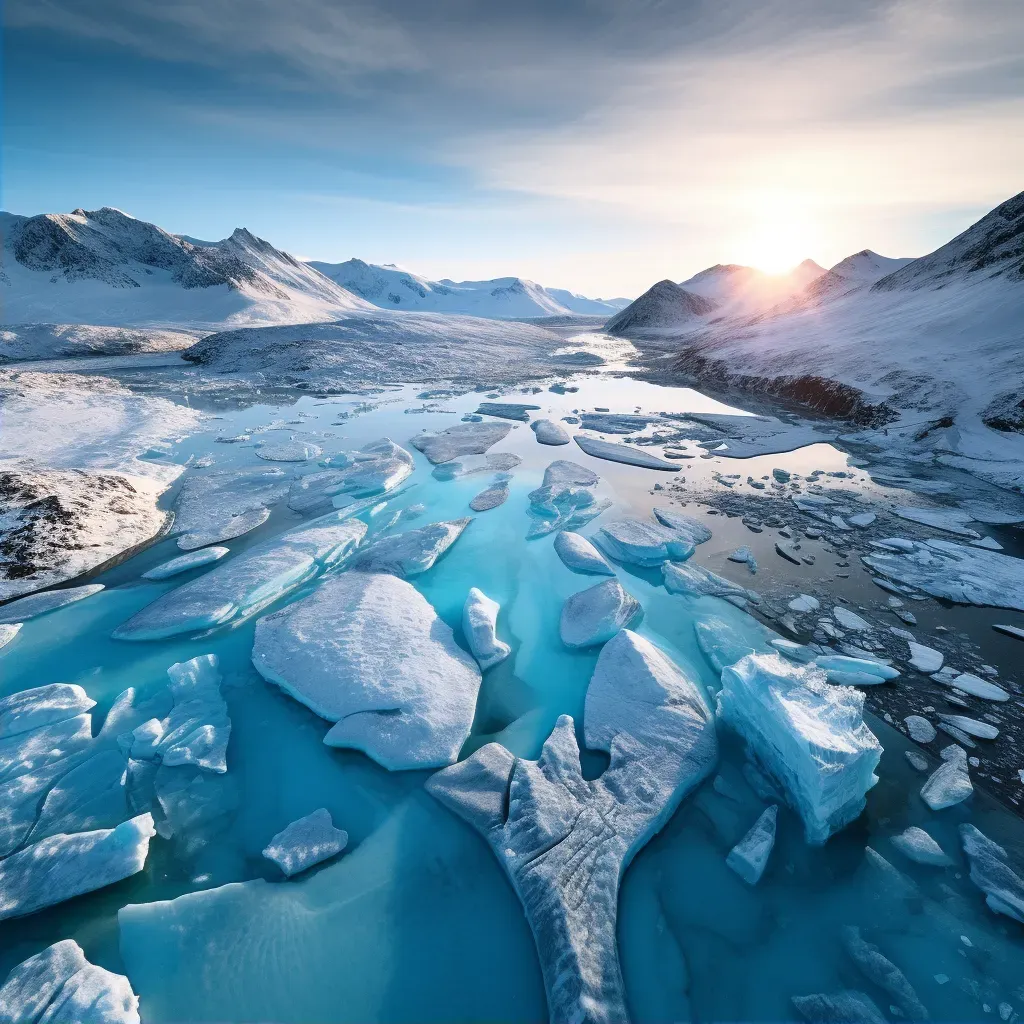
(992, 247)
(104, 267)
(738, 289)
(665, 306)
(860, 270)
(391, 287)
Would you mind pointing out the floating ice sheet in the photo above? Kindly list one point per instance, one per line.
(183, 563)
(579, 555)
(25, 608)
(460, 439)
(565, 500)
(623, 453)
(643, 542)
(595, 615)
(412, 552)
(305, 842)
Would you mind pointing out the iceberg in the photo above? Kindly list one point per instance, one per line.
(25, 608)
(955, 572)
(950, 783)
(595, 615)
(245, 585)
(565, 500)
(412, 552)
(624, 453)
(565, 841)
(683, 524)
(367, 651)
(919, 847)
(64, 866)
(642, 542)
(376, 468)
(480, 624)
(550, 432)
(749, 857)
(59, 986)
(183, 563)
(579, 555)
(992, 874)
(305, 842)
(226, 529)
(696, 581)
(460, 439)
(810, 737)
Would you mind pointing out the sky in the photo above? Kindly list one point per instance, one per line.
(598, 145)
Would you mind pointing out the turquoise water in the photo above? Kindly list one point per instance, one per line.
(415, 921)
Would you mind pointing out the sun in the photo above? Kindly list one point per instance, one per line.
(780, 234)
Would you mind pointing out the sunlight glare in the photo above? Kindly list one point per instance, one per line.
(781, 236)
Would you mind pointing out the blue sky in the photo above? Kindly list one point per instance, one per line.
(593, 144)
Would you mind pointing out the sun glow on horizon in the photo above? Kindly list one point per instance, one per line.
(782, 235)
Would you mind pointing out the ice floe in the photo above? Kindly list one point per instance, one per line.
(595, 615)
(624, 453)
(8, 631)
(63, 866)
(971, 726)
(209, 505)
(25, 608)
(507, 410)
(376, 468)
(749, 857)
(846, 671)
(992, 874)
(696, 581)
(460, 439)
(949, 520)
(920, 729)
(806, 734)
(804, 604)
(288, 451)
(305, 842)
(916, 844)
(565, 841)
(550, 432)
(881, 971)
(955, 572)
(367, 652)
(28, 710)
(491, 497)
(246, 584)
(950, 783)
(1013, 631)
(968, 682)
(480, 625)
(183, 563)
(642, 542)
(924, 659)
(683, 524)
(565, 499)
(850, 619)
(846, 1007)
(228, 529)
(579, 555)
(59, 986)
(412, 552)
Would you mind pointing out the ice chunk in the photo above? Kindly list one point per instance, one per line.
(492, 497)
(951, 520)
(246, 584)
(565, 841)
(412, 552)
(971, 726)
(185, 562)
(472, 465)
(294, 450)
(209, 505)
(845, 671)
(721, 643)
(595, 615)
(479, 624)
(579, 555)
(305, 842)
(25, 608)
(972, 684)
(958, 573)
(623, 453)
(225, 529)
(565, 500)
(744, 556)
(8, 631)
(862, 519)
(59, 986)
(507, 410)
(43, 705)
(882, 972)
(749, 857)
(850, 620)
(198, 728)
(27, 752)
(684, 524)
(992, 874)
(377, 468)
(64, 866)
(799, 653)
(950, 783)
(920, 729)
(1013, 631)
(809, 736)
(804, 604)
(789, 553)
(615, 423)
(367, 651)
(916, 844)
(847, 1007)
(918, 761)
(550, 432)
(924, 659)
(696, 581)
(460, 439)
(642, 542)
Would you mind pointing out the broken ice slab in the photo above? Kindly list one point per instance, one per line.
(949, 520)
(565, 499)
(683, 524)
(305, 842)
(808, 735)
(550, 432)
(924, 659)
(749, 857)
(991, 872)
(950, 783)
(507, 410)
(412, 552)
(245, 585)
(579, 555)
(1013, 631)
(183, 563)
(696, 581)
(594, 616)
(209, 505)
(376, 468)
(492, 497)
(480, 626)
(920, 847)
(459, 440)
(623, 453)
(288, 451)
(25, 608)
(642, 542)
(367, 652)
(227, 529)
(615, 423)
(565, 841)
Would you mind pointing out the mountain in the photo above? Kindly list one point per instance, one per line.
(390, 287)
(103, 267)
(738, 289)
(860, 270)
(665, 306)
(993, 247)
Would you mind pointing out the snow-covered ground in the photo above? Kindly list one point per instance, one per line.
(503, 298)
(61, 341)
